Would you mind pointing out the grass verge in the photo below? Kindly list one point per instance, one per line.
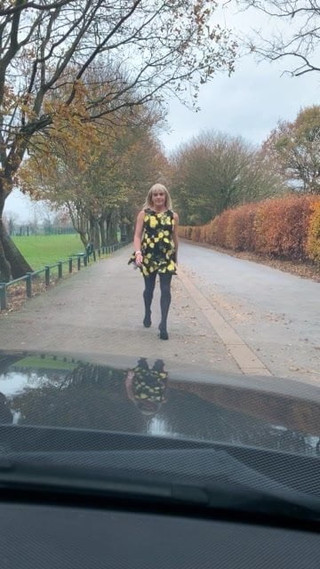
(41, 250)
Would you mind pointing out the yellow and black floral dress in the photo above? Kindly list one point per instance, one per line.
(157, 245)
(150, 384)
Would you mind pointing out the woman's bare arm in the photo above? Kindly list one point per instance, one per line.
(138, 237)
(175, 234)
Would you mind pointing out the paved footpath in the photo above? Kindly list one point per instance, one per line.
(99, 310)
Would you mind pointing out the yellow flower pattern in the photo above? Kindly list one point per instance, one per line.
(153, 221)
(157, 244)
(150, 384)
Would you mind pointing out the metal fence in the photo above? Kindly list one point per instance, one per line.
(56, 270)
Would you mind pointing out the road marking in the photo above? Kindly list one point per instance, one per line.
(245, 358)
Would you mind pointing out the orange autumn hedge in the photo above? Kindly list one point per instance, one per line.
(313, 242)
(286, 227)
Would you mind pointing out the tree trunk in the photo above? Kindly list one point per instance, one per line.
(111, 229)
(12, 256)
(12, 263)
(5, 271)
(103, 236)
(83, 237)
(94, 237)
(96, 241)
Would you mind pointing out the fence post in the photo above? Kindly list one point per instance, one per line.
(3, 296)
(85, 260)
(70, 264)
(60, 270)
(47, 275)
(94, 255)
(79, 262)
(29, 285)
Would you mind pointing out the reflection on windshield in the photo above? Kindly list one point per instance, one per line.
(147, 387)
(143, 399)
(5, 414)
(160, 427)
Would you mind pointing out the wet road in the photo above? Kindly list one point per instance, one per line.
(275, 313)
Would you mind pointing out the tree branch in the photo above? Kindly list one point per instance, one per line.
(20, 6)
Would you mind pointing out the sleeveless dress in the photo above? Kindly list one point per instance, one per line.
(149, 384)
(157, 245)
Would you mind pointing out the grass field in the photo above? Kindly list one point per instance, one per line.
(41, 250)
(47, 363)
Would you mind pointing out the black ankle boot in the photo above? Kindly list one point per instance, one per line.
(147, 320)
(163, 334)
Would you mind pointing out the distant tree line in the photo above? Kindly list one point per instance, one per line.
(215, 172)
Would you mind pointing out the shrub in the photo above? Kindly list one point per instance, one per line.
(287, 227)
(313, 241)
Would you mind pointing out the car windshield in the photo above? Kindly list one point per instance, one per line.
(160, 224)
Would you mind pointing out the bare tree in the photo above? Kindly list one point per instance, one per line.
(299, 37)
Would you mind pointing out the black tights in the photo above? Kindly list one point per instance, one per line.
(165, 298)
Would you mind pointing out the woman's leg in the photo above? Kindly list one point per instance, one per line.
(165, 300)
(149, 283)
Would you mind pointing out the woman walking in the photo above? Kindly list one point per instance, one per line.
(156, 247)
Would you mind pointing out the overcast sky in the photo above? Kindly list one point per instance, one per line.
(256, 96)
(249, 103)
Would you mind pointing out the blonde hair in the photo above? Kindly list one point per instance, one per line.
(149, 202)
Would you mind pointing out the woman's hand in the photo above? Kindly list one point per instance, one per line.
(139, 258)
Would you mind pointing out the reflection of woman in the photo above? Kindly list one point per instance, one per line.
(156, 246)
(147, 387)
